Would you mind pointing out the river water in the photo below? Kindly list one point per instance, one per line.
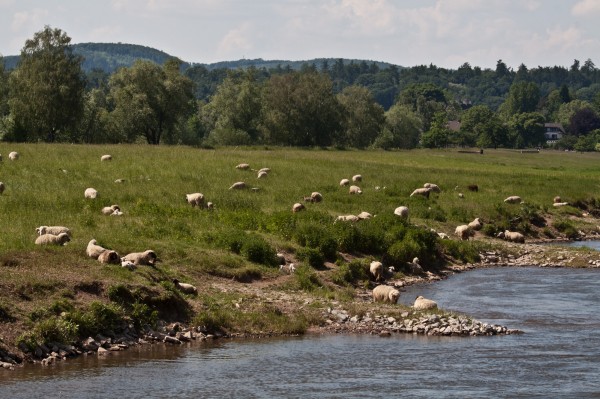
(558, 356)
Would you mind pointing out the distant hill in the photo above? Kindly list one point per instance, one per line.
(111, 56)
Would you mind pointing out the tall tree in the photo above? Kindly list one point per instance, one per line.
(522, 97)
(438, 136)
(527, 129)
(46, 88)
(402, 129)
(150, 100)
(363, 117)
(426, 99)
(485, 126)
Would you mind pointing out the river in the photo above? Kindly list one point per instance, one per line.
(558, 356)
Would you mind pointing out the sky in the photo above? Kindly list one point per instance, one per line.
(446, 33)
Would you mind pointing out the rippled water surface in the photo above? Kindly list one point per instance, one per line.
(557, 356)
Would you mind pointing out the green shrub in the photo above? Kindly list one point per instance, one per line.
(99, 318)
(120, 294)
(351, 273)
(316, 236)
(256, 249)
(465, 251)
(567, 228)
(213, 320)
(306, 278)
(142, 315)
(311, 256)
(54, 329)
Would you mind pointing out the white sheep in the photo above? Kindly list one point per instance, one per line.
(347, 218)
(463, 231)
(401, 211)
(195, 199)
(357, 178)
(421, 191)
(127, 264)
(514, 236)
(443, 236)
(316, 196)
(243, 166)
(385, 293)
(354, 190)
(109, 257)
(414, 266)
(147, 257)
(262, 175)
(109, 210)
(476, 224)
(117, 212)
(106, 157)
(424, 303)
(185, 287)
(297, 207)
(434, 187)
(13, 156)
(265, 170)
(376, 269)
(238, 186)
(52, 239)
(2, 187)
(557, 199)
(513, 199)
(461, 195)
(344, 182)
(120, 181)
(93, 250)
(56, 230)
(364, 215)
(559, 204)
(210, 206)
(90, 193)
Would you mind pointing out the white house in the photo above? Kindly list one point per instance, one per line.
(553, 132)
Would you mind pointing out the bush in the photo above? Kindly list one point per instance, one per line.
(465, 251)
(351, 273)
(142, 315)
(567, 228)
(315, 236)
(99, 318)
(312, 256)
(256, 249)
(307, 280)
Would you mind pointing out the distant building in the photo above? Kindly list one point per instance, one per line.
(553, 132)
(453, 125)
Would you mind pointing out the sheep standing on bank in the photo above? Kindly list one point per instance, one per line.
(463, 232)
(195, 199)
(109, 210)
(52, 239)
(424, 303)
(514, 236)
(357, 178)
(109, 257)
(93, 250)
(2, 187)
(354, 190)
(185, 287)
(238, 186)
(13, 156)
(513, 199)
(422, 192)
(476, 224)
(147, 257)
(106, 158)
(401, 211)
(415, 267)
(90, 193)
(297, 207)
(385, 293)
(56, 230)
(434, 187)
(376, 269)
(344, 182)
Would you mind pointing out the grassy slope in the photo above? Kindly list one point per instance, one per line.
(156, 216)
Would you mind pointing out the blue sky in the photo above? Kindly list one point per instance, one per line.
(446, 33)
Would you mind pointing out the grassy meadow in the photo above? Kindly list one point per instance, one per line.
(237, 240)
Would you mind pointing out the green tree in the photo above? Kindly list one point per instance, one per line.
(568, 110)
(363, 117)
(402, 129)
(46, 88)
(527, 129)
(426, 99)
(438, 136)
(150, 100)
(484, 125)
(523, 97)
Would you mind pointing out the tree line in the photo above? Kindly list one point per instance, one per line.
(48, 97)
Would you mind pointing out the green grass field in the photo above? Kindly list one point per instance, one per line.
(236, 239)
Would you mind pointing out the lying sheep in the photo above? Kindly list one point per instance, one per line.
(127, 264)
(364, 215)
(513, 199)
(443, 236)
(316, 196)
(261, 175)
(421, 191)
(476, 224)
(514, 236)
(90, 193)
(185, 287)
(238, 186)
(357, 178)
(265, 170)
(385, 293)
(147, 257)
(52, 239)
(344, 182)
(401, 211)
(376, 269)
(109, 210)
(434, 187)
(56, 230)
(13, 156)
(93, 250)
(559, 204)
(109, 257)
(195, 199)
(2, 187)
(243, 166)
(464, 232)
(557, 199)
(347, 218)
(424, 303)
(106, 157)
(355, 190)
(297, 207)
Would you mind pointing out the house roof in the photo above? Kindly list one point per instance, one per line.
(554, 125)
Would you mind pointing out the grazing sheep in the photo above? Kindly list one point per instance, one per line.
(109, 257)
(443, 236)
(414, 266)
(355, 190)
(281, 258)
(2, 187)
(297, 207)
(109, 210)
(464, 231)
(56, 230)
(195, 199)
(424, 303)
(316, 196)
(385, 293)
(52, 239)
(287, 269)
(401, 211)
(364, 215)
(185, 287)
(473, 187)
(476, 224)
(376, 269)
(514, 236)
(421, 191)
(147, 257)
(106, 157)
(238, 186)
(243, 166)
(120, 181)
(461, 195)
(210, 206)
(261, 175)
(557, 199)
(357, 178)
(94, 250)
(90, 193)
(434, 187)
(13, 156)
(513, 199)
(347, 218)
(344, 182)
(559, 204)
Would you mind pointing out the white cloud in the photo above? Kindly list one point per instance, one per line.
(25, 19)
(586, 7)
(103, 34)
(236, 42)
